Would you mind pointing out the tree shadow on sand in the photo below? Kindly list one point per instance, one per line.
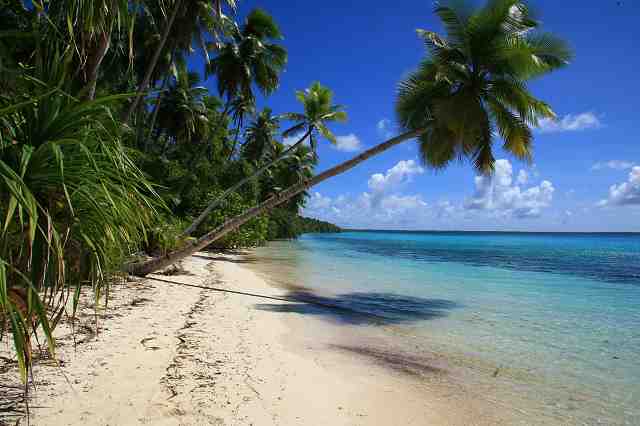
(363, 308)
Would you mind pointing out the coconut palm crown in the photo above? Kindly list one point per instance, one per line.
(472, 86)
(250, 57)
(317, 102)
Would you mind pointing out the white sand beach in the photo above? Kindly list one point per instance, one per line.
(177, 355)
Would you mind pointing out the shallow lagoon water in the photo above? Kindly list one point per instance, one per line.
(556, 315)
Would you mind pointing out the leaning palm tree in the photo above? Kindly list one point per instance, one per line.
(472, 82)
(319, 110)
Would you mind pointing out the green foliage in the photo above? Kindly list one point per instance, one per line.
(251, 234)
(283, 224)
(72, 202)
(250, 57)
(473, 83)
(76, 198)
(318, 112)
(165, 235)
(310, 225)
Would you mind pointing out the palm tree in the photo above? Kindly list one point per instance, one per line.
(472, 82)
(249, 58)
(239, 108)
(260, 138)
(317, 102)
(319, 110)
(177, 7)
(183, 113)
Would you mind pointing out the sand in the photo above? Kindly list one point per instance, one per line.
(173, 355)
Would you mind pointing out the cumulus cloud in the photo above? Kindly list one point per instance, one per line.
(498, 194)
(627, 193)
(613, 164)
(570, 123)
(348, 143)
(317, 201)
(399, 174)
(523, 177)
(380, 205)
(445, 209)
(401, 203)
(364, 210)
(385, 129)
(504, 195)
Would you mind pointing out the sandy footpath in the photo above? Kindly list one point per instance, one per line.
(175, 355)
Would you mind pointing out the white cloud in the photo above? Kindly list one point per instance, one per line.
(389, 211)
(398, 175)
(497, 194)
(348, 143)
(385, 129)
(570, 123)
(317, 201)
(401, 203)
(613, 164)
(523, 177)
(381, 205)
(626, 193)
(444, 209)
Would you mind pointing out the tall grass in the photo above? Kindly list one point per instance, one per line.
(72, 202)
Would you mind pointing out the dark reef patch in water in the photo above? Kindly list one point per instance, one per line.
(613, 265)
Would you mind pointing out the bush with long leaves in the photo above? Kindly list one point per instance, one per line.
(72, 203)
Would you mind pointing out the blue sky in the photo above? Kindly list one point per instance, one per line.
(583, 178)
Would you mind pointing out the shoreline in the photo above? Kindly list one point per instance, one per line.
(169, 354)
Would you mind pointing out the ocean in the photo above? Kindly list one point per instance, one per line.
(550, 322)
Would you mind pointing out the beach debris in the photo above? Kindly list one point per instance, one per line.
(144, 341)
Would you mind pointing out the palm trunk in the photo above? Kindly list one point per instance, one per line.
(215, 203)
(156, 108)
(94, 63)
(203, 46)
(146, 267)
(154, 115)
(152, 66)
(236, 139)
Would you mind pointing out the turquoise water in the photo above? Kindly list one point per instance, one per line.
(557, 315)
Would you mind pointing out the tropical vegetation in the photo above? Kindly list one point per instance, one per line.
(116, 156)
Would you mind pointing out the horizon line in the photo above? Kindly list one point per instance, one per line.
(484, 231)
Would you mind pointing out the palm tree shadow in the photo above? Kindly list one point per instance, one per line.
(361, 308)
